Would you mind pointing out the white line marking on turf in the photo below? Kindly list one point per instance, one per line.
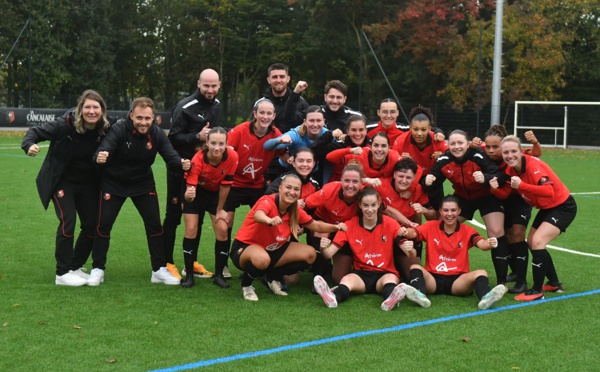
(586, 193)
(479, 224)
(17, 147)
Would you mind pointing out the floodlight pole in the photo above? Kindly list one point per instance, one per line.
(496, 80)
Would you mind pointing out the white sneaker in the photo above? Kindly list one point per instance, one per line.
(163, 276)
(396, 296)
(226, 273)
(96, 277)
(249, 294)
(492, 297)
(275, 287)
(323, 290)
(81, 272)
(69, 279)
(415, 296)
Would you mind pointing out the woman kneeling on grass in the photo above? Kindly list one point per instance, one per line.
(372, 237)
(447, 260)
(262, 245)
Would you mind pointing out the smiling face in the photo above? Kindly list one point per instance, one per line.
(369, 205)
(209, 84)
(289, 190)
(278, 80)
(264, 114)
(334, 99)
(91, 112)
(142, 118)
(388, 113)
(314, 124)
(350, 183)
(357, 130)
(449, 211)
(512, 154)
(492, 148)
(420, 131)
(458, 145)
(217, 143)
(403, 179)
(380, 147)
(304, 163)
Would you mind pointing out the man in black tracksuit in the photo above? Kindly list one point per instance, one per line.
(290, 107)
(128, 151)
(335, 113)
(192, 118)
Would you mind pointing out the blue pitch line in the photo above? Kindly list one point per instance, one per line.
(253, 354)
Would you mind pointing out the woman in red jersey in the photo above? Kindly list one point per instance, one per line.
(248, 139)
(470, 171)
(377, 160)
(447, 269)
(263, 244)
(335, 203)
(208, 184)
(373, 239)
(388, 114)
(517, 212)
(541, 188)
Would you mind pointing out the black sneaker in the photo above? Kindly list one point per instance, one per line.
(512, 277)
(518, 288)
(219, 281)
(188, 281)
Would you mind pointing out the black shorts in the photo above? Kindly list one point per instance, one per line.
(205, 201)
(443, 283)
(516, 211)
(370, 278)
(237, 248)
(560, 216)
(241, 196)
(485, 205)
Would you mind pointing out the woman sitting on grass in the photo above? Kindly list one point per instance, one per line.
(263, 243)
(373, 238)
(447, 260)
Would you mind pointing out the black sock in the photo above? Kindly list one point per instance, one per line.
(341, 293)
(190, 254)
(388, 288)
(539, 263)
(221, 256)
(277, 273)
(500, 259)
(417, 280)
(251, 273)
(551, 272)
(482, 286)
(520, 260)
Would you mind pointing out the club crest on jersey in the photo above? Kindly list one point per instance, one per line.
(149, 145)
(174, 200)
(106, 196)
(383, 238)
(459, 245)
(60, 193)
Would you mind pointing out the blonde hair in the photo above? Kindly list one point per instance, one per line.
(102, 125)
(511, 138)
(293, 208)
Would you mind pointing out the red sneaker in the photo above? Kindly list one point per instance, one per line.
(530, 295)
(553, 287)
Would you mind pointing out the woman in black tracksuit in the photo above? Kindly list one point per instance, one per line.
(126, 155)
(68, 177)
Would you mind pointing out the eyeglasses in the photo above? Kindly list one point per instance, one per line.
(386, 112)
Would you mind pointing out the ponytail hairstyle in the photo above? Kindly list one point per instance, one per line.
(310, 110)
(367, 191)
(356, 166)
(459, 131)
(496, 130)
(421, 113)
(103, 124)
(292, 208)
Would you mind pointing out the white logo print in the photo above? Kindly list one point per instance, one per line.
(537, 171)
(250, 169)
(444, 268)
(450, 171)
(524, 258)
(503, 258)
(388, 199)
(554, 219)
(246, 146)
(370, 262)
(537, 265)
(414, 280)
(437, 241)
(359, 241)
(336, 212)
(128, 144)
(201, 116)
(187, 252)
(524, 216)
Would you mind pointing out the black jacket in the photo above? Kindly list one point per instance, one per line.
(62, 136)
(128, 169)
(290, 109)
(338, 119)
(189, 116)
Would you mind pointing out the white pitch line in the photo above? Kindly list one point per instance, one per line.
(17, 147)
(479, 224)
(586, 193)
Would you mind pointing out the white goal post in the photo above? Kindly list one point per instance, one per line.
(556, 129)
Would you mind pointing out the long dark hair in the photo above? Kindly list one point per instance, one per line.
(368, 191)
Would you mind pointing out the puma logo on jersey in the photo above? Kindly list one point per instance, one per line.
(128, 144)
(450, 171)
(524, 258)
(201, 116)
(337, 213)
(187, 252)
(437, 241)
(246, 146)
(537, 171)
(388, 199)
(359, 241)
(414, 280)
(505, 258)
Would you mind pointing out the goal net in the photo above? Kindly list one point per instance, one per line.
(559, 124)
